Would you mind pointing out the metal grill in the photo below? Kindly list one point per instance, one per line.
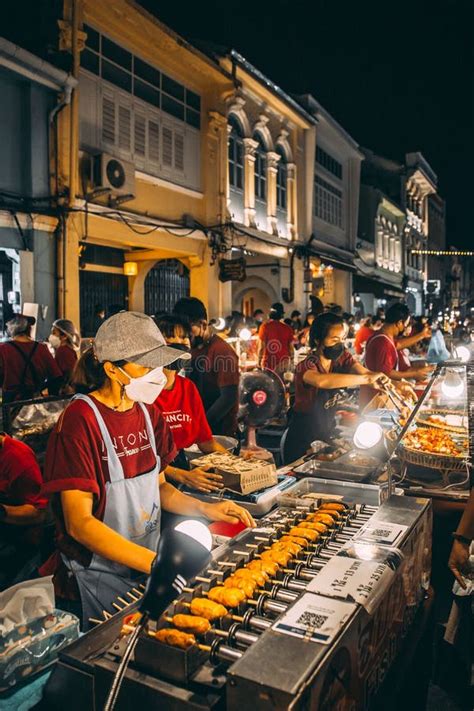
(167, 282)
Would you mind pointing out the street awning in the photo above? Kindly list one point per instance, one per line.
(379, 289)
(341, 259)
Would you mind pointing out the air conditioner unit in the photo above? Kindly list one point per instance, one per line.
(114, 174)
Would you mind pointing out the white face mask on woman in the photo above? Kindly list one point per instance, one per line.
(54, 341)
(147, 387)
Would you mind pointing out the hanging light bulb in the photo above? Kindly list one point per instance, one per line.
(453, 385)
(367, 435)
(462, 353)
(245, 334)
(219, 324)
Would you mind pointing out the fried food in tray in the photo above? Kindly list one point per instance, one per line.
(433, 441)
(175, 638)
(202, 607)
(227, 595)
(451, 422)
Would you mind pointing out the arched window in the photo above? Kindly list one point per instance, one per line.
(281, 180)
(260, 170)
(236, 154)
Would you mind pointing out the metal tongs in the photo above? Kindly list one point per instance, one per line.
(395, 398)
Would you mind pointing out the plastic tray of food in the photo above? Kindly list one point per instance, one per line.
(307, 490)
(352, 466)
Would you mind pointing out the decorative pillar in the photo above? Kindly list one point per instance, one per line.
(386, 249)
(291, 201)
(272, 168)
(391, 264)
(250, 148)
(378, 244)
(217, 140)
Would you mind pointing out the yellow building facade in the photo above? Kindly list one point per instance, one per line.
(148, 116)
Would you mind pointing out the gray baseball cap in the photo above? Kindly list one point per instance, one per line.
(136, 338)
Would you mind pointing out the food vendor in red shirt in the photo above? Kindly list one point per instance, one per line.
(183, 410)
(104, 466)
(319, 383)
(214, 368)
(22, 507)
(372, 324)
(276, 341)
(382, 353)
(66, 340)
(26, 366)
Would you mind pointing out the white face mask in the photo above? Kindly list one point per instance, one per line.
(54, 341)
(147, 387)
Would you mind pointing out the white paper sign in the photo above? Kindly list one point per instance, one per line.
(352, 579)
(382, 533)
(315, 618)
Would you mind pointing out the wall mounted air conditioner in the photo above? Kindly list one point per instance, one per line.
(114, 174)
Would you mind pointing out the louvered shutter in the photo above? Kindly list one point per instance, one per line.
(140, 135)
(178, 151)
(124, 128)
(154, 142)
(167, 147)
(108, 119)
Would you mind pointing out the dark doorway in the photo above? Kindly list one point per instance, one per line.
(108, 290)
(6, 286)
(165, 283)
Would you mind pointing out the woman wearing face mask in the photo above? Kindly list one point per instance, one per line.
(183, 409)
(65, 339)
(319, 382)
(104, 467)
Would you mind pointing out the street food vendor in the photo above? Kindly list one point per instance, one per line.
(104, 465)
(214, 368)
(182, 407)
(319, 383)
(65, 339)
(26, 366)
(22, 508)
(382, 352)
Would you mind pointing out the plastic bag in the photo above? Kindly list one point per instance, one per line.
(437, 351)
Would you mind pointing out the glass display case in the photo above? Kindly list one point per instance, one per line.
(432, 449)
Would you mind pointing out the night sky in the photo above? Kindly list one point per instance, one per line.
(396, 74)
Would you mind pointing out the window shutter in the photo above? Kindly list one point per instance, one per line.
(167, 147)
(108, 119)
(139, 136)
(153, 141)
(179, 151)
(124, 128)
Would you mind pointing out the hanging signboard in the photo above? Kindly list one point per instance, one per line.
(232, 269)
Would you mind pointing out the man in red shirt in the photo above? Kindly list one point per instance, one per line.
(214, 368)
(372, 324)
(26, 366)
(381, 352)
(275, 347)
(21, 507)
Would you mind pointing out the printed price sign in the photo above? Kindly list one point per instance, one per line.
(381, 532)
(360, 581)
(315, 618)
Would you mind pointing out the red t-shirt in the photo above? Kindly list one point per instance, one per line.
(183, 410)
(215, 366)
(66, 359)
(381, 356)
(12, 366)
(305, 394)
(76, 457)
(277, 338)
(362, 335)
(20, 475)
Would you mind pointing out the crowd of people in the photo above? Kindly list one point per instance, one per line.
(145, 391)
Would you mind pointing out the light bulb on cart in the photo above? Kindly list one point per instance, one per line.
(462, 353)
(245, 334)
(367, 435)
(219, 324)
(452, 385)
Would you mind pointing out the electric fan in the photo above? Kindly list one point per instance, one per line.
(261, 397)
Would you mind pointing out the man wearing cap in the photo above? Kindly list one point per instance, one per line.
(275, 341)
(215, 368)
(104, 467)
(26, 366)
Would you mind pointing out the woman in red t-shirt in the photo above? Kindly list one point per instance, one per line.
(105, 460)
(183, 409)
(65, 339)
(319, 382)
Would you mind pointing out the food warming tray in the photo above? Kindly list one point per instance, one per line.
(348, 492)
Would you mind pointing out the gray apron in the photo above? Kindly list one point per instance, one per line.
(133, 510)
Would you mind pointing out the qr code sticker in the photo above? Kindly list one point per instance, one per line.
(312, 619)
(380, 533)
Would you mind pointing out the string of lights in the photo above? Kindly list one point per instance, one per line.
(443, 252)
